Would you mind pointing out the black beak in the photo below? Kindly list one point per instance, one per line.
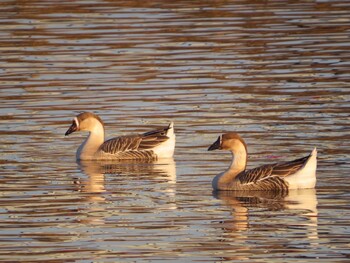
(71, 129)
(216, 145)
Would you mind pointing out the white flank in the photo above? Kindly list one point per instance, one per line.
(166, 149)
(306, 176)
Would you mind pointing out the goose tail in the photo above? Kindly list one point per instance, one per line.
(170, 130)
(306, 176)
(314, 152)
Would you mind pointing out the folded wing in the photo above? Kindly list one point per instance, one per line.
(135, 146)
(270, 177)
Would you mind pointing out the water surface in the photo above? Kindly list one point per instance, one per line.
(277, 73)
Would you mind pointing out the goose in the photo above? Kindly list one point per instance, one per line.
(284, 176)
(151, 145)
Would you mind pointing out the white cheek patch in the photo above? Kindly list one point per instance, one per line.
(76, 122)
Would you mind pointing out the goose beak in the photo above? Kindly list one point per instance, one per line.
(71, 129)
(216, 145)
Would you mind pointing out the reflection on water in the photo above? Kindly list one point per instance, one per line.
(94, 189)
(96, 171)
(244, 204)
(303, 201)
(277, 72)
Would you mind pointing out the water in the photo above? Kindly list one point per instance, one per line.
(276, 72)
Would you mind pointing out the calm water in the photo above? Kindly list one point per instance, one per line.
(276, 72)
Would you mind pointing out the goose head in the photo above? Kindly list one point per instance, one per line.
(85, 121)
(235, 144)
(229, 141)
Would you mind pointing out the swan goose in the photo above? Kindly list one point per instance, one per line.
(296, 174)
(151, 145)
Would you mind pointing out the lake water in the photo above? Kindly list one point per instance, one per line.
(277, 72)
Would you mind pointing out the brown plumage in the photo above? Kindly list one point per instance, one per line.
(135, 146)
(270, 176)
(299, 173)
(159, 143)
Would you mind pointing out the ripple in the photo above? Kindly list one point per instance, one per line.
(275, 72)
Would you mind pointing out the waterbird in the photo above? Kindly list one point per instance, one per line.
(151, 145)
(297, 174)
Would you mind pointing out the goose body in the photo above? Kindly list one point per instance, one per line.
(296, 174)
(151, 145)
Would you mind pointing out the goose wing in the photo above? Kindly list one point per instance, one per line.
(271, 176)
(153, 138)
(121, 144)
(134, 145)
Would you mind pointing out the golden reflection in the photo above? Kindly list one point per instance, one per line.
(305, 200)
(95, 184)
(92, 189)
(302, 202)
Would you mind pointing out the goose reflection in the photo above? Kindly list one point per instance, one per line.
(302, 201)
(95, 185)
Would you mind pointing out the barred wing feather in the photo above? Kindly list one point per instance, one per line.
(142, 142)
(269, 177)
(152, 139)
(121, 144)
